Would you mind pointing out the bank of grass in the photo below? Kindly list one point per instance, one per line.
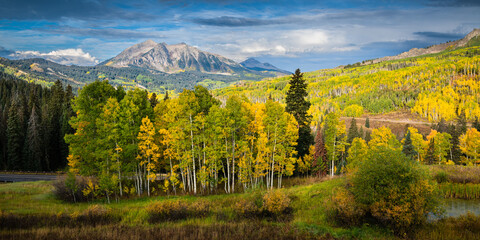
(455, 173)
(455, 181)
(32, 212)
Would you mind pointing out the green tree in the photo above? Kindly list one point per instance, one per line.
(394, 191)
(335, 138)
(430, 157)
(408, 148)
(15, 136)
(356, 154)
(298, 106)
(352, 131)
(367, 122)
(83, 143)
(33, 142)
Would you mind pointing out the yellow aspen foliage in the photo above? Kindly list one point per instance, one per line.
(356, 154)
(470, 146)
(353, 110)
(418, 143)
(383, 137)
(148, 150)
(73, 163)
(442, 145)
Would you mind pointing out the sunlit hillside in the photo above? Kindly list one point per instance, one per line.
(433, 86)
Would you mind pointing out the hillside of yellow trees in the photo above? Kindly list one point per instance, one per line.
(433, 86)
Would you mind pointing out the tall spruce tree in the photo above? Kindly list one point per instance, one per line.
(408, 148)
(352, 131)
(3, 139)
(476, 124)
(461, 123)
(430, 157)
(53, 127)
(33, 152)
(298, 106)
(15, 137)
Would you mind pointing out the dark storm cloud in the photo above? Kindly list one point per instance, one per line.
(5, 52)
(226, 21)
(105, 33)
(57, 9)
(453, 3)
(439, 35)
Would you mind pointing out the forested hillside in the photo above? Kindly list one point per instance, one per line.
(33, 122)
(45, 72)
(434, 86)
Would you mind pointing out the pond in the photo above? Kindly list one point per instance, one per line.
(457, 207)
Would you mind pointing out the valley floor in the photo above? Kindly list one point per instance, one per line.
(28, 210)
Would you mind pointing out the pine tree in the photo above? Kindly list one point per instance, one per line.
(153, 100)
(408, 148)
(442, 126)
(298, 106)
(3, 137)
(476, 124)
(33, 142)
(352, 131)
(430, 157)
(455, 153)
(367, 122)
(166, 96)
(368, 136)
(53, 128)
(15, 137)
(461, 123)
(320, 161)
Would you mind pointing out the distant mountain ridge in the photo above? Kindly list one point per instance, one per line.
(254, 64)
(173, 58)
(415, 52)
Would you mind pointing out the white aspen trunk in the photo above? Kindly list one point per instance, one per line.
(228, 165)
(273, 156)
(148, 175)
(193, 157)
(182, 173)
(333, 156)
(171, 174)
(233, 164)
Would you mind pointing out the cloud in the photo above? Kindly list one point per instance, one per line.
(65, 56)
(5, 52)
(58, 9)
(106, 33)
(227, 21)
(440, 35)
(453, 3)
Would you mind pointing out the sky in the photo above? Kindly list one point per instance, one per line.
(289, 34)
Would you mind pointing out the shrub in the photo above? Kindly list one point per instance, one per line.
(167, 211)
(94, 214)
(70, 188)
(247, 208)
(394, 189)
(441, 177)
(199, 208)
(275, 202)
(343, 209)
(177, 210)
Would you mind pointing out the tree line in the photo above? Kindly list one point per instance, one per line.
(33, 122)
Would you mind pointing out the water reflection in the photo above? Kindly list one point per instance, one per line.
(457, 207)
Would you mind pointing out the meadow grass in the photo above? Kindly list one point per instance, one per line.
(39, 215)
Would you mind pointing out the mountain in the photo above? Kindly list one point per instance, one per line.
(473, 36)
(254, 64)
(173, 58)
